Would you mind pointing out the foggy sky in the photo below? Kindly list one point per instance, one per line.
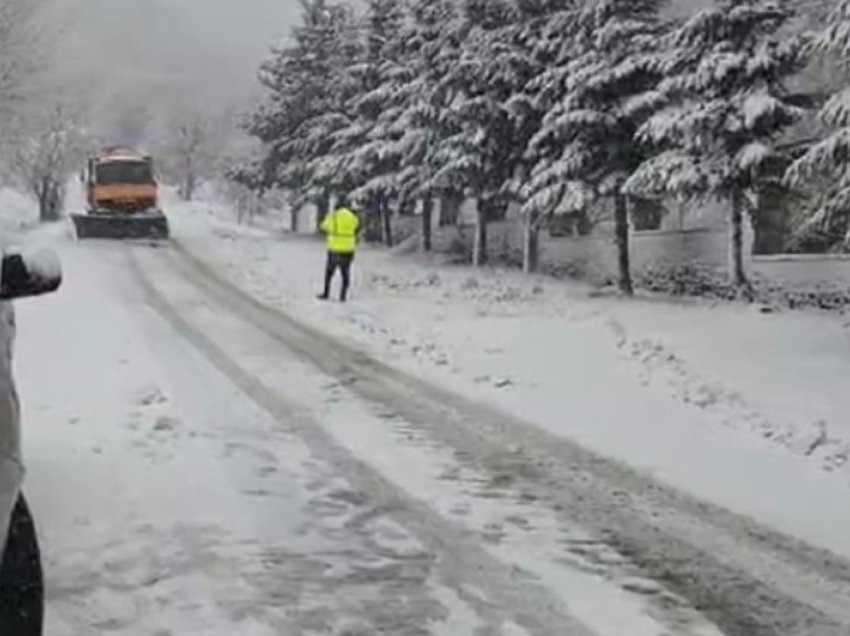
(214, 44)
(209, 46)
(160, 52)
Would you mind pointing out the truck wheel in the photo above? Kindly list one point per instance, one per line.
(21, 579)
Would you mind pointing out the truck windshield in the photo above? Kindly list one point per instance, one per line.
(117, 172)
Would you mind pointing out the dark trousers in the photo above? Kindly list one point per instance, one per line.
(21, 584)
(342, 262)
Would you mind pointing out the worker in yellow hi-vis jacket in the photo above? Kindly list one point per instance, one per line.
(341, 228)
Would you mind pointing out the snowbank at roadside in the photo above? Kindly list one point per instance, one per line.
(723, 400)
(210, 203)
(17, 211)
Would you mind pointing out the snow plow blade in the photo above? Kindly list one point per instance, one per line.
(112, 226)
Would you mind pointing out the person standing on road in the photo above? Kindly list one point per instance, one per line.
(341, 228)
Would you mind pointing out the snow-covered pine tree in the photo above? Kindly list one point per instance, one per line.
(480, 154)
(725, 70)
(293, 88)
(431, 44)
(307, 86)
(369, 159)
(538, 36)
(316, 145)
(586, 146)
(827, 163)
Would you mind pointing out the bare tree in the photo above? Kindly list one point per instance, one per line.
(27, 41)
(194, 145)
(43, 159)
(190, 139)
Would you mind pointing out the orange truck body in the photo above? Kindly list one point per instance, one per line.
(120, 181)
(122, 198)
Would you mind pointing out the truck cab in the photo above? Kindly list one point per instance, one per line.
(122, 197)
(120, 182)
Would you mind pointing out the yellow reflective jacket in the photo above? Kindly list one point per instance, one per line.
(340, 228)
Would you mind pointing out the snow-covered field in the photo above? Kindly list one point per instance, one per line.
(198, 466)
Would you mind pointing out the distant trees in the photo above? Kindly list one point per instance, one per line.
(190, 135)
(190, 140)
(543, 106)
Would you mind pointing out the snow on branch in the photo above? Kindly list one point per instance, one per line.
(673, 171)
(836, 37)
(829, 157)
(763, 111)
(686, 123)
(753, 156)
(828, 162)
(574, 161)
(836, 111)
(543, 200)
(578, 121)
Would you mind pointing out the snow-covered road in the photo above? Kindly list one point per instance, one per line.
(202, 464)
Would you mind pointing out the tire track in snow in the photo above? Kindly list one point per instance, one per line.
(750, 580)
(511, 595)
(583, 573)
(510, 525)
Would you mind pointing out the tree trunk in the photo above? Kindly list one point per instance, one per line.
(407, 207)
(621, 222)
(187, 189)
(479, 250)
(323, 207)
(43, 207)
(52, 211)
(739, 274)
(387, 221)
(498, 209)
(531, 251)
(190, 187)
(427, 220)
(374, 232)
(449, 209)
(49, 201)
(295, 219)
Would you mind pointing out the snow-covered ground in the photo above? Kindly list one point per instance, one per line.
(169, 501)
(197, 467)
(17, 210)
(741, 407)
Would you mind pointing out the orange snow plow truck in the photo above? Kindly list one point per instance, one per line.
(122, 198)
